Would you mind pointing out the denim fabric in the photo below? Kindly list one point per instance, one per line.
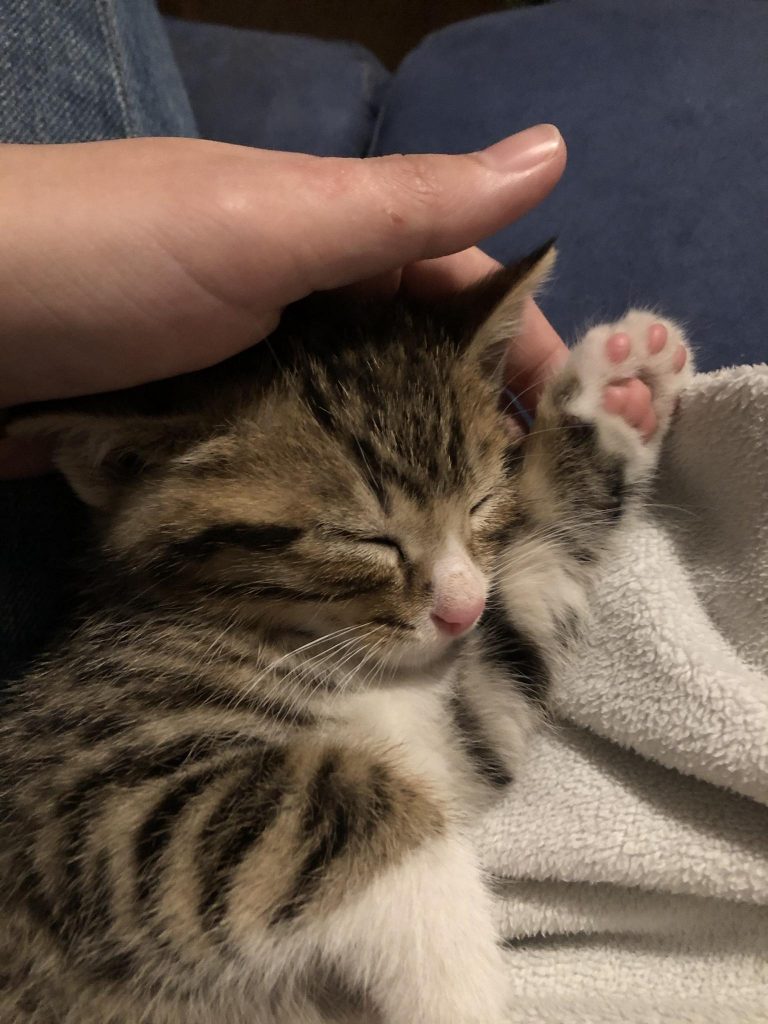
(279, 91)
(82, 70)
(663, 105)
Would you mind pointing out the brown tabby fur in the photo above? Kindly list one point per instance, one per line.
(193, 786)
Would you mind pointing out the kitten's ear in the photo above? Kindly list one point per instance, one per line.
(101, 455)
(494, 307)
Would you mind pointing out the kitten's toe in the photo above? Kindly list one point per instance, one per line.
(617, 347)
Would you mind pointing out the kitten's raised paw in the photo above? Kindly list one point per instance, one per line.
(628, 376)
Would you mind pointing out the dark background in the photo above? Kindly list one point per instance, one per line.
(390, 28)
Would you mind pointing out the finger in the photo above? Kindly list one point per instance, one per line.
(200, 264)
(431, 279)
(383, 286)
(446, 275)
(347, 220)
(534, 356)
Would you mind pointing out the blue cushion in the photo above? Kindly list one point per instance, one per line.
(278, 91)
(663, 106)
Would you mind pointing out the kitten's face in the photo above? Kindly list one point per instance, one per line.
(346, 485)
(362, 500)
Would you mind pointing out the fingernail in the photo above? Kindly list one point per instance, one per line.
(526, 150)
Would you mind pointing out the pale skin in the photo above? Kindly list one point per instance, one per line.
(130, 260)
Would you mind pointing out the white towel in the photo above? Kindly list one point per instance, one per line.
(632, 854)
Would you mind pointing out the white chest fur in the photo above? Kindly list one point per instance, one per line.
(411, 723)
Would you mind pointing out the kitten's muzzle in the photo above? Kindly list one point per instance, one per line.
(459, 592)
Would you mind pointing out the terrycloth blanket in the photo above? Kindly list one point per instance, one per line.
(632, 855)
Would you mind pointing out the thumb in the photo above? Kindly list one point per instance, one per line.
(354, 219)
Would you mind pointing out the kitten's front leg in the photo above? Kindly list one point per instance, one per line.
(421, 941)
(601, 421)
(364, 872)
(593, 448)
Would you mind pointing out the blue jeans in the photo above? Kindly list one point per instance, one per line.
(83, 70)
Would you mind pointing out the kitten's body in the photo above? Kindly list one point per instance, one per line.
(242, 791)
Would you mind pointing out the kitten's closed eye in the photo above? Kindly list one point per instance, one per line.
(479, 504)
(376, 540)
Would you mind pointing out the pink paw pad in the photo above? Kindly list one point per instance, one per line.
(679, 359)
(615, 399)
(617, 347)
(657, 338)
(631, 399)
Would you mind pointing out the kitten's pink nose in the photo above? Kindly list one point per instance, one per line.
(460, 617)
(458, 591)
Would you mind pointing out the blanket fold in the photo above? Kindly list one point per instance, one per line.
(632, 854)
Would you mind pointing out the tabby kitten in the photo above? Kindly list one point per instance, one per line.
(331, 586)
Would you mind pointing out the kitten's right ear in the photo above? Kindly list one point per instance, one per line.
(493, 308)
(100, 455)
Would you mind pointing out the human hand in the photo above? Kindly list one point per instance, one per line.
(130, 260)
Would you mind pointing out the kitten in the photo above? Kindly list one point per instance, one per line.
(331, 588)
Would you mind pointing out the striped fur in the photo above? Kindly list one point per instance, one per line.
(240, 790)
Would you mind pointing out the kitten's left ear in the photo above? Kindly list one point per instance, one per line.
(494, 308)
(101, 455)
